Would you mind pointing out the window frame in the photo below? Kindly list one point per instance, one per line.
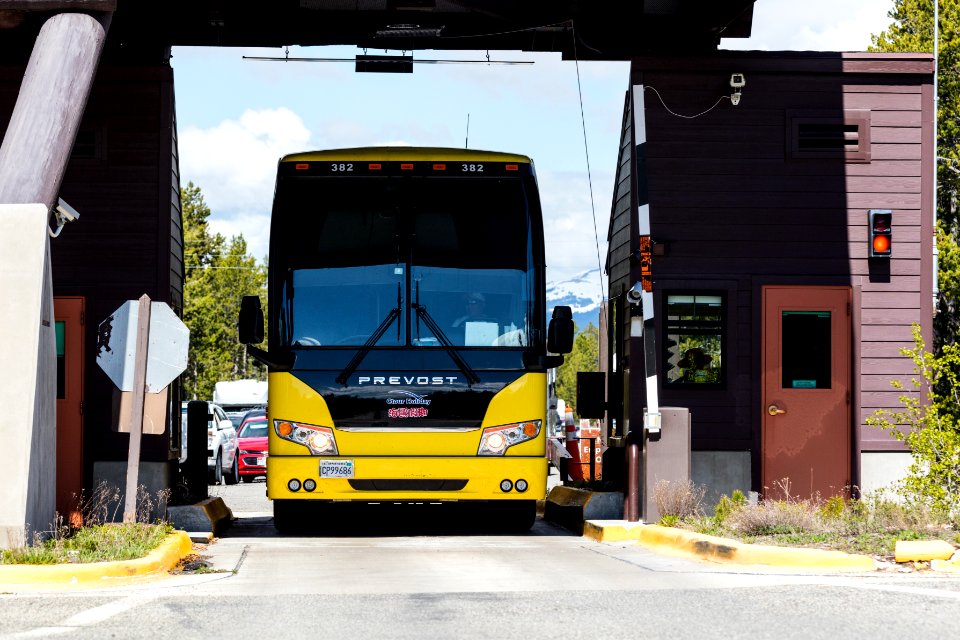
(723, 329)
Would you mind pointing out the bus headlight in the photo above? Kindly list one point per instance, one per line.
(319, 440)
(496, 440)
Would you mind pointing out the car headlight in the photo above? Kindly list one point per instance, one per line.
(496, 440)
(319, 440)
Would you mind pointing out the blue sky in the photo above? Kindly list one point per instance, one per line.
(236, 117)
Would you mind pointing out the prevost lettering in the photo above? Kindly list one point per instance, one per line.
(407, 380)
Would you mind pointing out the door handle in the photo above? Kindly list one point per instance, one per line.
(774, 410)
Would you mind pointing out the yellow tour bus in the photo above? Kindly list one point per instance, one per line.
(408, 335)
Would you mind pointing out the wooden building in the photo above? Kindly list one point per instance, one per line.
(123, 179)
(773, 325)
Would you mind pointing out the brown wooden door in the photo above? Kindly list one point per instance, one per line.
(806, 391)
(68, 312)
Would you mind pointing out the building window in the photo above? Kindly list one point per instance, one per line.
(818, 134)
(694, 353)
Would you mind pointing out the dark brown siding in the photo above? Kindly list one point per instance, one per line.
(122, 178)
(734, 208)
(619, 236)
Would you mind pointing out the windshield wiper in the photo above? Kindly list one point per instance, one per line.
(372, 340)
(444, 340)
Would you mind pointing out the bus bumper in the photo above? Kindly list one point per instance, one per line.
(418, 479)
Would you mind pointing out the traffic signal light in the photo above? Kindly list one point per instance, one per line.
(881, 233)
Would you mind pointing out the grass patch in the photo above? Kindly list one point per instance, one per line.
(100, 543)
(870, 526)
(95, 537)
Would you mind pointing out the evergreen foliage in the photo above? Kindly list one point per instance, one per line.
(584, 357)
(218, 273)
(912, 30)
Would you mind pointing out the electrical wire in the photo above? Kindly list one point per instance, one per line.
(680, 115)
(586, 150)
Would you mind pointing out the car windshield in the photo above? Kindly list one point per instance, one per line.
(254, 429)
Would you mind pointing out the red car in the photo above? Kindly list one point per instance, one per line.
(252, 445)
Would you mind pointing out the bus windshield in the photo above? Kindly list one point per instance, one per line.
(404, 262)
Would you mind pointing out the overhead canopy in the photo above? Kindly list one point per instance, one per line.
(604, 29)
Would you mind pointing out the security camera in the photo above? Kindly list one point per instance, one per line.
(635, 293)
(738, 81)
(64, 213)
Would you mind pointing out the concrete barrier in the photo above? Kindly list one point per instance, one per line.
(210, 515)
(570, 507)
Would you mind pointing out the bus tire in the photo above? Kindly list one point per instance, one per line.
(288, 516)
(518, 516)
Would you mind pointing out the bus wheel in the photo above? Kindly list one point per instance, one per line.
(294, 516)
(517, 516)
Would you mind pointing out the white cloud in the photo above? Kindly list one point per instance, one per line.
(255, 228)
(235, 165)
(814, 25)
(235, 162)
(571, 243)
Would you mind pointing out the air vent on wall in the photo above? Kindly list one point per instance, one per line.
(845, 135)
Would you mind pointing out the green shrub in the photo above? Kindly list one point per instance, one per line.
(927, 424)
(669, 520)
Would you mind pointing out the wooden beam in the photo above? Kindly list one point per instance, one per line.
(37, 144)
(58, 5)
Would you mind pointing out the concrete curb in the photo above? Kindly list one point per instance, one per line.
(678, 542)
(162, 559)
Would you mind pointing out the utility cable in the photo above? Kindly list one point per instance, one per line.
(586, 150)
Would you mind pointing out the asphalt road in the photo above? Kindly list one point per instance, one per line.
(398, 576)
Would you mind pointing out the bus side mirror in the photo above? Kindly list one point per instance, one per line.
(250, 325)
(560, 330)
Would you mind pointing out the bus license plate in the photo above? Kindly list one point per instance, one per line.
(336, 468)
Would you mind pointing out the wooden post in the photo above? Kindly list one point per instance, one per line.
(136, 410)
(53, 95)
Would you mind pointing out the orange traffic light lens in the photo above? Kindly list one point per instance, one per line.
(881, 244)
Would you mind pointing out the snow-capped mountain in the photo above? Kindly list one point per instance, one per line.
(582, 294)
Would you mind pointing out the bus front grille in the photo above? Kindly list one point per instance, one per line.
(388, 484)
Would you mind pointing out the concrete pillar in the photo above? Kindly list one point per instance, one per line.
(666, 456)
(28, 375)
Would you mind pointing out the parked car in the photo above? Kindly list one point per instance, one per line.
(222, 462)
(252, 444)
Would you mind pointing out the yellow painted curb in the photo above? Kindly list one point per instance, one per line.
(612, 530)
(922, 550)
(679, 542)
(946, 566)
(166, 556)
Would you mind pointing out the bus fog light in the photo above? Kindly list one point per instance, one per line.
(505, 485)
(521, 485)
(294, 485)
(309, 484)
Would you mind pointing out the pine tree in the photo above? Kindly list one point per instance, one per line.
(218, 273)
(584, 357)
(912, 30)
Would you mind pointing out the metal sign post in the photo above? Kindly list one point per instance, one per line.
(142, 347)
(136, 414)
